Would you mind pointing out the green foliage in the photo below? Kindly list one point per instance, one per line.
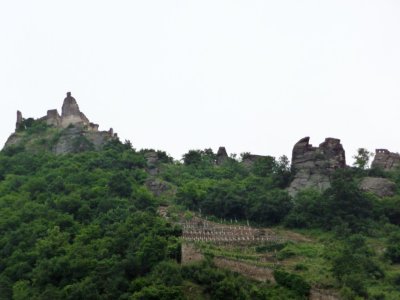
(71, 228)
(223, 285)
(32, 126)
(392, 251)
(120, 184)
(198, 157)
(391, 209)
(162, 156)
(278, 171)
(341, 205)
(81, 144)
(345, 203)
(353, 264)
(253, 198)
(293, 282)
(268, 247)
(158, 292)
(361, 160)
(307, 208)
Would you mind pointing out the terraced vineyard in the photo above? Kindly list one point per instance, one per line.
(200, 230)
(252, 252)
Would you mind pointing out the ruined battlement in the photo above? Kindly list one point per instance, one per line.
(386, 160)
(380, 151)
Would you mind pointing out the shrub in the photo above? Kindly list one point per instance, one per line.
(293, 282)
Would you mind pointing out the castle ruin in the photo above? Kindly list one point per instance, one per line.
(72, 122)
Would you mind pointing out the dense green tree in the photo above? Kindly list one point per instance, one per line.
(361, 159)
(392, 251)
(353, 264)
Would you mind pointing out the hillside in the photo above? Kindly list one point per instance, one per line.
(84, 216)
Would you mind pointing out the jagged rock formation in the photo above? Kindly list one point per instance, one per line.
(386, 160)
(73, 130)
(381, 187)
(313, 166)
(222, 156)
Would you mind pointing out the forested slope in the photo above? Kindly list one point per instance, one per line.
(84, 225)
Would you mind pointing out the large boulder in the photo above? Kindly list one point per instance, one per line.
(313, 166)
(381, 187)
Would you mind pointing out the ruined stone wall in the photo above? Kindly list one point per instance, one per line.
(53, 118)
(93, 127)
(386, 160)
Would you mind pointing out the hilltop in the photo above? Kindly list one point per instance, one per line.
(69, 132)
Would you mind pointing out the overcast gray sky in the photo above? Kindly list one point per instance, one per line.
(252, 76)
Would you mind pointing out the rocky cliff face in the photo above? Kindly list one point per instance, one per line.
(69, 132)
(313, 166)
(386, 160)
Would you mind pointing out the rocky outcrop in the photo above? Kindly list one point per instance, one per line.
(386, 160)
(381, 187)
(76, 139)
(222, 156)
(313, 166)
